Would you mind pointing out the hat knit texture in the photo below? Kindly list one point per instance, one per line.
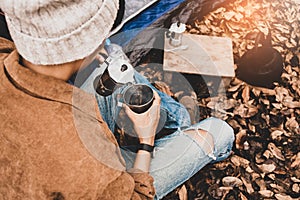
(51, 32)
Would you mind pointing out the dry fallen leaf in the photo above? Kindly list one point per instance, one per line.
(239, 161)
(234, 88)
(275, 151)
(266, 193)
(267, 154)
(222, 191)
(267, 168)
(291, 104)
(261, 183)
(276, 134)
(243, 197)
(248, 185)
(277, 105)
(228, 15)
(295, 180)
(182, 193)
(292, 125)
(296, 163)
(249, 169)
(246, 110)
(283, 197)
(163, 87)
(246, 94)
(238, 138)
(231, 181)
(272, 176)
(246, 145)
(296, 188)
(277, 188)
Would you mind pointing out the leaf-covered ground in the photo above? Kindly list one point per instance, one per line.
(265, 162)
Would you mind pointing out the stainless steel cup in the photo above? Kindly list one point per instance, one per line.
(138, 97)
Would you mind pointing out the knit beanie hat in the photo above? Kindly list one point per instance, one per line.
(58, 31)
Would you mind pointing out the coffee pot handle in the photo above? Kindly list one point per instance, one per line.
(261, 38)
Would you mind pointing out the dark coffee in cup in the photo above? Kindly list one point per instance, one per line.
(138, 97)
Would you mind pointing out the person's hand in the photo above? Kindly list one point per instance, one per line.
(102, 55)
(145, 123)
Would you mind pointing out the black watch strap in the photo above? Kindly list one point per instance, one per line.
(146, 147)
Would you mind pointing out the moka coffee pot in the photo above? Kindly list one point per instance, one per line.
(116, 71)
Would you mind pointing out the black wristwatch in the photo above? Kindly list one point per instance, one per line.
(147, 147)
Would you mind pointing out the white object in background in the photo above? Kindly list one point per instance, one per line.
(175, 33)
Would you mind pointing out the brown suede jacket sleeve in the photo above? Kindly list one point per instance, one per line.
(143, 185)
(142, 188)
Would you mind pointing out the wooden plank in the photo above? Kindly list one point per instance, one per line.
(207, 55)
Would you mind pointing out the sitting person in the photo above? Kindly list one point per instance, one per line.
(56, 140)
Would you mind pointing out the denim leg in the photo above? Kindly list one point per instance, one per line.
(109, 108)
(178, 157)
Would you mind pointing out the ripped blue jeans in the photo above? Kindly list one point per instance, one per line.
(178, 156)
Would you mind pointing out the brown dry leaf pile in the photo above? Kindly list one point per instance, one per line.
(266, 157)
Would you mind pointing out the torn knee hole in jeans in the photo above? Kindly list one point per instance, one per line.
(204, 139)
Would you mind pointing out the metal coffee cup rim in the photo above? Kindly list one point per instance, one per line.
(138, 106)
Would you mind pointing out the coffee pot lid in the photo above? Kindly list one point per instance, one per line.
(177, 27)
(121, 71)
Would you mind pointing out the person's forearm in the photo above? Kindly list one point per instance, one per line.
(143, 158)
